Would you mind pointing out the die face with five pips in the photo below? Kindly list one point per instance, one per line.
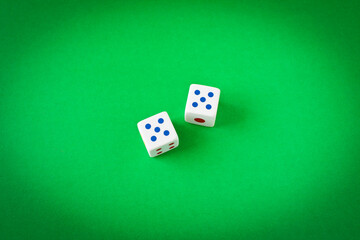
(202, 104)
(158, 134)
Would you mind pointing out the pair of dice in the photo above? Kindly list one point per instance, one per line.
(158, 132)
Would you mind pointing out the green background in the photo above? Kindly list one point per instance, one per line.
(282, 161)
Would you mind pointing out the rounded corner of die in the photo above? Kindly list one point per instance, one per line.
(193, 85)
(211, 125)
(216, 90)
(188, 117)
(176, 137)
(165, 112)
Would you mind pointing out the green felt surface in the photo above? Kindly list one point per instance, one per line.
(282, 161)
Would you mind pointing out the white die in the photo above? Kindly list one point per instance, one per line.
(158, 134)
(202, 104)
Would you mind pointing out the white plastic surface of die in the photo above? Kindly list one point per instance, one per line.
(201, 105)
(158, 134)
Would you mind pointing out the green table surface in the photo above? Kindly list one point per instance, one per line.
(282, 161)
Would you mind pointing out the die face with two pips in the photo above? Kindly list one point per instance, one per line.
(202, 104)
(158, 134)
